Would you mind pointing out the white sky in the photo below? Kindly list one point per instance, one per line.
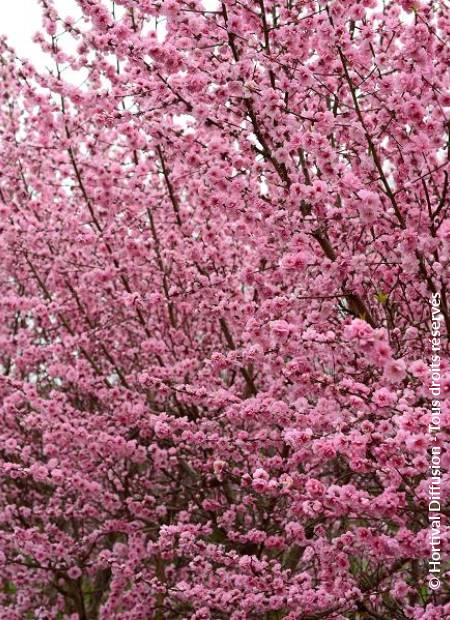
(19, 20)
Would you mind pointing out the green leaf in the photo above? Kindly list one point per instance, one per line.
(381, 297)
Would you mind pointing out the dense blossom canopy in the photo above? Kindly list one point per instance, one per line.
(221, 227)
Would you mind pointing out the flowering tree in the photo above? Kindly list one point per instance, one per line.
(218, 250)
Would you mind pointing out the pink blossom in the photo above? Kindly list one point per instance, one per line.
(280, 328)
(222, 227)
(74, 572)
(384, 397)
(419, 369)
(395, 370)
(260, 474)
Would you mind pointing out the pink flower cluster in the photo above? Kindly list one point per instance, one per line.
(218, 242)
